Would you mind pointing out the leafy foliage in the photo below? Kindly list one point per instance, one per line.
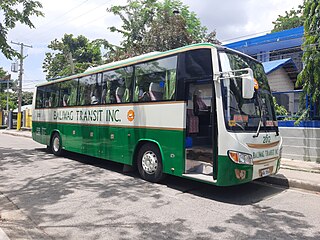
(13, 99)
(309, 78)
(3, 73)
(293, 18)
(150, 25)
(15, 11)
(79, 51)
(280, 110)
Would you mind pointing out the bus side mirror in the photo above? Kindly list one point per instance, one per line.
(247, 84)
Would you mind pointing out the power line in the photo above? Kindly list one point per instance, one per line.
(69, 20)
(61, 15)
(252, 34)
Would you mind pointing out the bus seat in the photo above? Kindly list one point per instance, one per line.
(103, 96)
(192, 122)
(155, 91)
(198, 103)
(126, 95)
(65, 100)
(119, 94)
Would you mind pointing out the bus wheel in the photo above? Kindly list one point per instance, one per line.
(149, 163)
(56, 147)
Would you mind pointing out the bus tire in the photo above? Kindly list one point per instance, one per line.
(149, 163)
(56, 144)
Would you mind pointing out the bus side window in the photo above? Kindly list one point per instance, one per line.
(68, 93)
(40, 98)
(155, 80)
(87, 93)
(117, 85)
(52, 95)
(170, 85)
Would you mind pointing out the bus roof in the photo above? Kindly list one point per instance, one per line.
(133, 60)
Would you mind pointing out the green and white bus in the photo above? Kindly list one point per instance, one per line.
(202, 112)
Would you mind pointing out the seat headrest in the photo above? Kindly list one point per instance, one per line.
(155, 87)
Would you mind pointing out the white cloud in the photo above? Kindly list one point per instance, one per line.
(233, 19)
(230, 18)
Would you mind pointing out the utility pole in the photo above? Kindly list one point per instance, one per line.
(8, 94)
(20, 82)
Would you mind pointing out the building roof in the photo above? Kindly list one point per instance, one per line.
(287, 64)
(270, 42)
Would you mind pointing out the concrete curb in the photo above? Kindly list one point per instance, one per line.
(300, 169)
(281, 180)
(17, 134)
(3, 235)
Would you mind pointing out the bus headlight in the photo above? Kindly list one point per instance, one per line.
(241, 158)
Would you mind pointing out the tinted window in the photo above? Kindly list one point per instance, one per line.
(52, 95)
(89, 90)
(68, 93)
(155, 80)
(40, 97)
(116, 85)
(198, 64)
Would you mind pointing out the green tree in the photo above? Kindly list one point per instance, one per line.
(166, 32)
(14, 11)
(3, 91)
(280, 110)
(309, 78)
(3, 73)
(12, 100)
(150, 25)
(71, 55)
(27, 98)
(293, 18)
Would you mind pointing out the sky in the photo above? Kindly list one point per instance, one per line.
(233, 20)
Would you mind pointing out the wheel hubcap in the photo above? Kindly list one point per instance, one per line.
(149, 162)
(56, 144)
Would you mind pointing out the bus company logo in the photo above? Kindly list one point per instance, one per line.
(130, 115)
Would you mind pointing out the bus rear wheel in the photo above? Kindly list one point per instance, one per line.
(149, 163)
(55, 145)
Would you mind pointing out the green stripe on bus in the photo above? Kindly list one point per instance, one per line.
(116, 143)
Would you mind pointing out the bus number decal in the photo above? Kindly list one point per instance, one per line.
(266, 139)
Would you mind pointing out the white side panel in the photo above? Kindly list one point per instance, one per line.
(162, 115)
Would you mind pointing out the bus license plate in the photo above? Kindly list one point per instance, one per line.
(264, 172)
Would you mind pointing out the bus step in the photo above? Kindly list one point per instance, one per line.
(200, 177)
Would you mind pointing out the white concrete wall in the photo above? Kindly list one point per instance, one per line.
(279, 81)
(301, 143)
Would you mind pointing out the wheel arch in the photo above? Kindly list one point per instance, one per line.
(51, 135)
(140, 143)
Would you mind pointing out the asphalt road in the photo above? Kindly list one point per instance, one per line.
(77, 197)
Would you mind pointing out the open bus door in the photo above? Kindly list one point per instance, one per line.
(200, 160)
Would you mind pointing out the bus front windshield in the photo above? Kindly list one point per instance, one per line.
(245, 114)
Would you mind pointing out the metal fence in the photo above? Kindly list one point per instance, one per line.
(295, 102)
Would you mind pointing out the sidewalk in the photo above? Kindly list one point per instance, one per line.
(293, 173)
